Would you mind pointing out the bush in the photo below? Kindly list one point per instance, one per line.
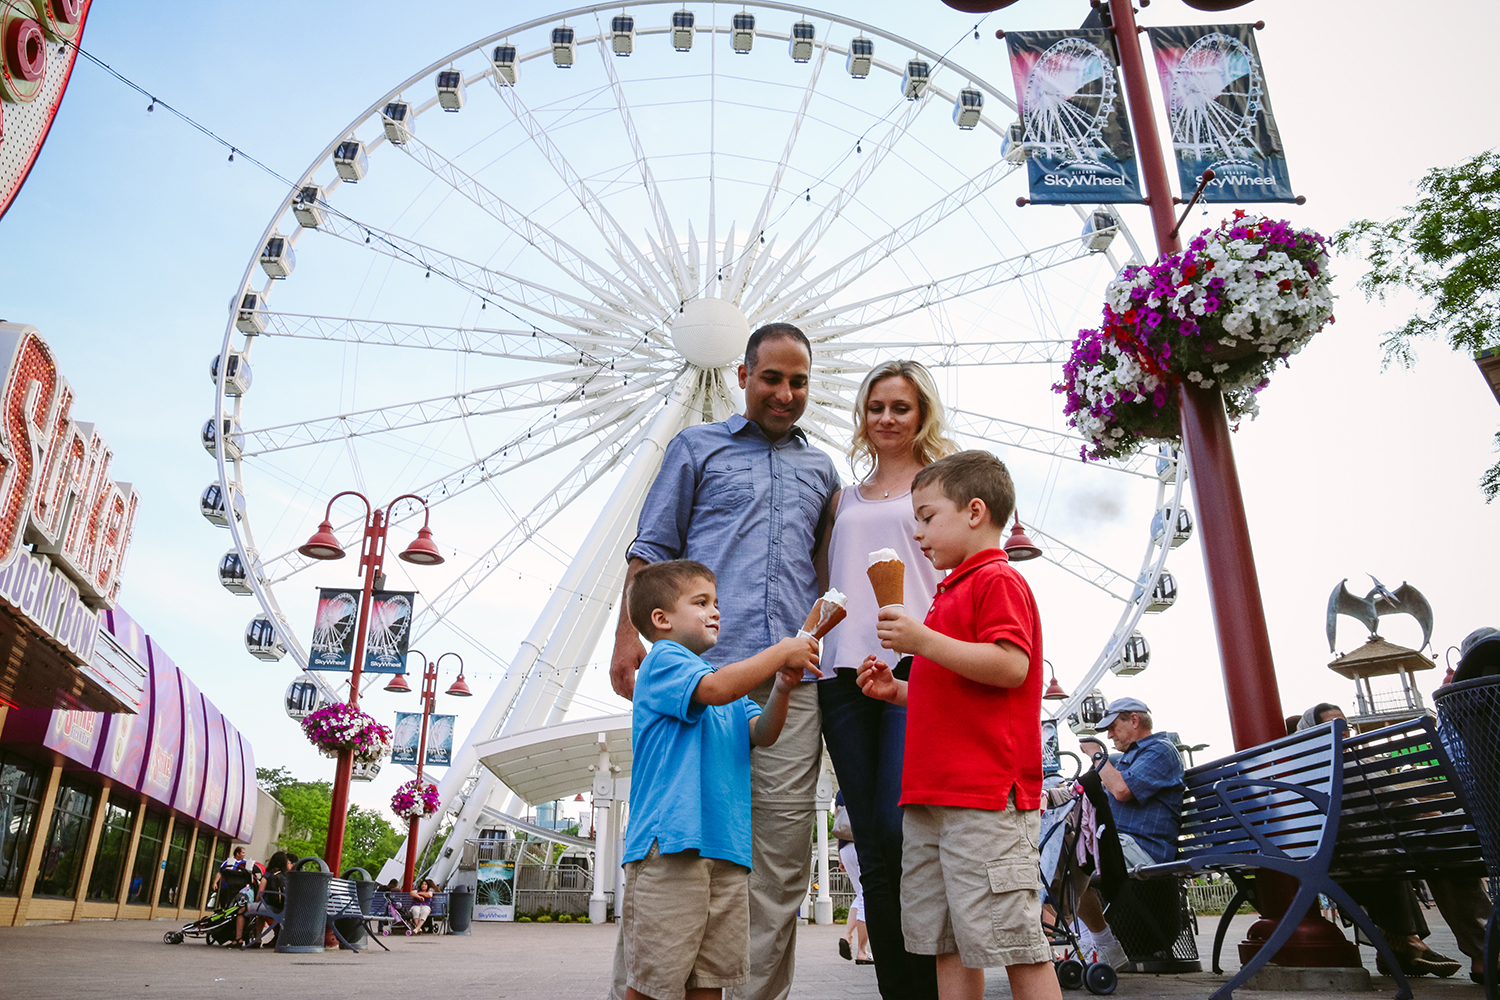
(841, 914)
(523, 920)
(581, 920)
(545, 918)
(566, 918)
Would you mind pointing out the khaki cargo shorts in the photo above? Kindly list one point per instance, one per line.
(969, 884)
(686, 924)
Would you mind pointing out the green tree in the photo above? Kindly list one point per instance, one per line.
(369, 839)
(1446, 248)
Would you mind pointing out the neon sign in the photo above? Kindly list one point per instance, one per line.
(37, 51)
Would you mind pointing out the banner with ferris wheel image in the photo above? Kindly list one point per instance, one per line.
(386, 635)
(1078, 144)
(1220, 113)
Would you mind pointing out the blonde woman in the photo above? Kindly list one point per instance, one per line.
(899, 427)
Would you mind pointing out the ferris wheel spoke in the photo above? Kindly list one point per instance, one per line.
(522, 394)
(578, 480)
(533, 445)
(865, 313)
(523, 293)
(664, 229)
(1041, 441)
(750, 263)
(515, 345)
(803, 246)
(841, 356)
(853, 267)
(566, 258)
(1059, 553)
(622, 247)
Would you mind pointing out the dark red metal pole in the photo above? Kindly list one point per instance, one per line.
(370, 560)
(1250, 690)
(429, 697)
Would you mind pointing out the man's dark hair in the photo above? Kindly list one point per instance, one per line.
(972, 474)
(659, 585)
(1322, 707)
(774, 331)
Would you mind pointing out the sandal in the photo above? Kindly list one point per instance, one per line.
(844, 951)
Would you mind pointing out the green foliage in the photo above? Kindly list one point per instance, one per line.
(840, 914)
(523, 920)
(1446, 248)
(369, 839)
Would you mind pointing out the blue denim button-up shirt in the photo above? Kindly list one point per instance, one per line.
(1153, 772)
(749, 510)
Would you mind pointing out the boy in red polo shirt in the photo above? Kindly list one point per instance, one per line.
(971, 786)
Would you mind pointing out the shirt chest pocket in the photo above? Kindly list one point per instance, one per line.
(812, 493)
(725, 485)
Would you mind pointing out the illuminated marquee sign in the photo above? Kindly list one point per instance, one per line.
(56, 495)
(36, 59)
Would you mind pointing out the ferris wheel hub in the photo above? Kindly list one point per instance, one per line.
(710, 332)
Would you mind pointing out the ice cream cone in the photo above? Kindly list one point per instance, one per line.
(888, 577)
(827, 612)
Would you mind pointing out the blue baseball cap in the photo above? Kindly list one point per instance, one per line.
(1119, 707)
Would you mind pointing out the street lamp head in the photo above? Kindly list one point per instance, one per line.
(323, 544)
(398, 685)
(423, 550)
(978, 6)
(1215, 5)
(460, 688)
(1018, 546)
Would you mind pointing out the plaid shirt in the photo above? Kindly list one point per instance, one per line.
(1153, 772)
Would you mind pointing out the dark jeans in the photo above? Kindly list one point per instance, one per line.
(866, 740)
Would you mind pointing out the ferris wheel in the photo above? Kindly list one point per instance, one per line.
(1215, 98)
(516, 275)
(1070, 93)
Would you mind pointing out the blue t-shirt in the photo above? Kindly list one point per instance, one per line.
(690, 763)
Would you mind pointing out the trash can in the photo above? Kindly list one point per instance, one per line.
(354, 930)
(460, 910)
(306, 913)
(1469, 726)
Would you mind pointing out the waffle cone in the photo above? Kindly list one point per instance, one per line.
(829, 615)
(889, 580)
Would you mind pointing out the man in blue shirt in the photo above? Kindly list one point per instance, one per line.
(748, 497)
(1145, 781)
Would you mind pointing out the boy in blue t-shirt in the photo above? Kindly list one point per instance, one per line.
(686, 914)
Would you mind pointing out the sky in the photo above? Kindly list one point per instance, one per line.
(133, 231)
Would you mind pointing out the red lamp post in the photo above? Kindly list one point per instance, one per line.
(325, 545)
(1250, 688)
(459, 689)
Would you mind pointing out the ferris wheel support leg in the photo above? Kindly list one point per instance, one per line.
(626, 501)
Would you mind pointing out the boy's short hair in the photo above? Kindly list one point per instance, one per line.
(972, 474)
(659, 585)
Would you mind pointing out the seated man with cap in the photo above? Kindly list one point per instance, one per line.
(1145, 781)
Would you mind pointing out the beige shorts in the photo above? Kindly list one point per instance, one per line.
(969, 884)
(686, 924)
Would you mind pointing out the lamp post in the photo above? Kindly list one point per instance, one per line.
(1250, 689)
(398, 685)
(325, 545)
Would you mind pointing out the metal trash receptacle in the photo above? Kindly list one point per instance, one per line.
(306, 913)
(460, 910)
(354, 930)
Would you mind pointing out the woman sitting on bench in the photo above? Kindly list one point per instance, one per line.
(421, 904)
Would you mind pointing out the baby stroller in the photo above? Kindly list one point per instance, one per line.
(1074, 969)
(214, 928)
(399, 916)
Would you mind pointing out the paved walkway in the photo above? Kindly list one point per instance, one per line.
(126, 959)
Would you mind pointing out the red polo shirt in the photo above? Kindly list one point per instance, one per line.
(969, 744)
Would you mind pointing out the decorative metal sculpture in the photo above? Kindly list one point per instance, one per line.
(1380, 601)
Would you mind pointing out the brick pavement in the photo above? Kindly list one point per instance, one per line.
(121, 960)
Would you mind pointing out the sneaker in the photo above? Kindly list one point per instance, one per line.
(1107, 949)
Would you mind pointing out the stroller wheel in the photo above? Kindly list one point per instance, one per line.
(1101, 979)
(1070, 974)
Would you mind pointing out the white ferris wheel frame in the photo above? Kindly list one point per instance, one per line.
(567, 628)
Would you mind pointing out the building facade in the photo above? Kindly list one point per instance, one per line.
(121, 815)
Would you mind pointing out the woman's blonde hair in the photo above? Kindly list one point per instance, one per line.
(932, 441)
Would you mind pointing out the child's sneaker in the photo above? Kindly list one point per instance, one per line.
(1107, 949)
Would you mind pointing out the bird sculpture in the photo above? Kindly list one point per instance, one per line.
(1380, 601)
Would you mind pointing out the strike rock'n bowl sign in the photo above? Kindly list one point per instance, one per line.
(38, 46)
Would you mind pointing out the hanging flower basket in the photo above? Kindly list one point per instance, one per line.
(412, 801)
(1220, 314)
(340, 727)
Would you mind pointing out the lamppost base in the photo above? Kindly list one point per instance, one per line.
(823, 912)
(1315, 944)
(598, 910)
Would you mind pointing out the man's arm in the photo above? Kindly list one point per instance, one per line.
(824, 534)
(1109, 775)
(629, 650)
(999, 664)
(735, 680)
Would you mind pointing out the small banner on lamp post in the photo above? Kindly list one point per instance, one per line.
(333, 629)
(408, 733)
(388, 631)
(1078, 144)
(1220, 113)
